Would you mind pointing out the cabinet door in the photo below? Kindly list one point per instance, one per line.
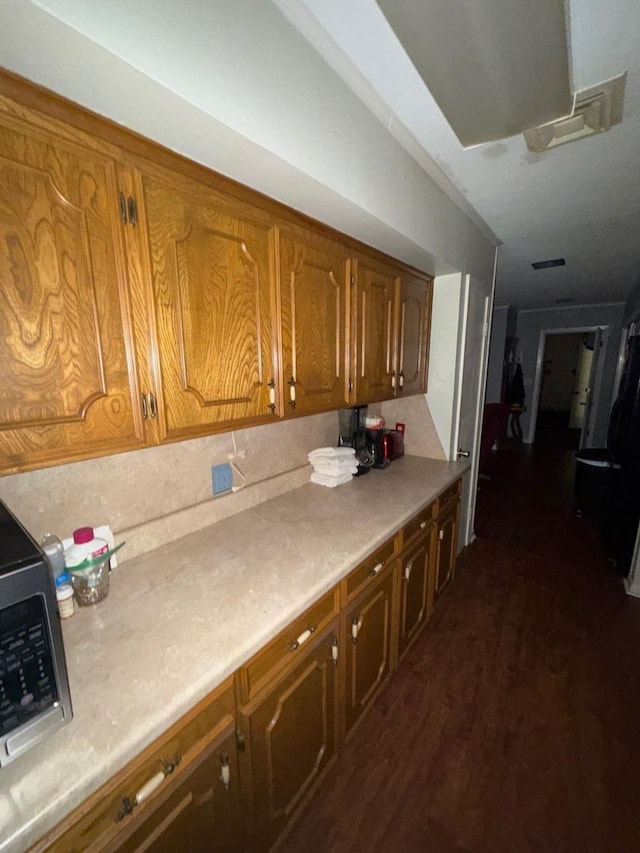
(213, 295)
(446, 548)
(416, 588)
(202, 812)
(314, 283)
(414, 314)
(373, 324)
(67, 369)
(367, 647)
(291, 733)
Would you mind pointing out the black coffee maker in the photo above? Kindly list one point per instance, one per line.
(351, 426)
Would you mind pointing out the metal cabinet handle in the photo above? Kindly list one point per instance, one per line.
(407, 571)
(302, 638)
(153, 408)
(441, 534)
(145, 410)
(292, 392)
(393, 380)
(376, 569)
(401, 381)
(132, 211)
(272, 395)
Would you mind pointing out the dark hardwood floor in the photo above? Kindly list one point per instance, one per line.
(514, 722)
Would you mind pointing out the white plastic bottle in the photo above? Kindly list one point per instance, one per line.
(85, 546)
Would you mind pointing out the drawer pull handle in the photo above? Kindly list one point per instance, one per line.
(145, 410)
(292, 392)
(377, 569)
(401, 380)
(302, 638)
(423, 524)
(334, 650)
(441, 534)
(153, 407)
(272, 395)
(225, 770)
(407, 571)
(148, 788)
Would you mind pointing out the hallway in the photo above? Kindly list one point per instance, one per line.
(512, 724)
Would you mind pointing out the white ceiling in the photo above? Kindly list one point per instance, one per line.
(579, 201)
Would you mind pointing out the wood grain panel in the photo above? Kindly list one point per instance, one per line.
(66, 388)
(374, 309)
(414, 308)
(368, 660)
(314, 277)
(292, 732)
(214, 301)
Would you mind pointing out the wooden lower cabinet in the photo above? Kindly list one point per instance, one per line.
(446, 548)
(417, 581)
(369, 655)
(182, 791)
(291, 735)
(203, 812)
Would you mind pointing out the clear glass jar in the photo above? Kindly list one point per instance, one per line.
(91, 583)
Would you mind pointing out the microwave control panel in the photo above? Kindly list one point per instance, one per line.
(27, 678)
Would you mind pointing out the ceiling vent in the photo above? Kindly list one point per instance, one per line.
(596, 110)
(545, 265)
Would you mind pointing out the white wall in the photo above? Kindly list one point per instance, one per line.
(532, 323)
(444, 366)
(496, 354)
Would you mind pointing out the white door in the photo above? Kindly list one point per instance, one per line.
(472, 385)
(581, 387)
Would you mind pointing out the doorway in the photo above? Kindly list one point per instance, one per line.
(567, 386)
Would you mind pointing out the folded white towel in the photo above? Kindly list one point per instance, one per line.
(331, 453)
(329, 480)
(331, 466)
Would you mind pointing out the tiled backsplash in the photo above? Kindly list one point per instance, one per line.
(150, 497)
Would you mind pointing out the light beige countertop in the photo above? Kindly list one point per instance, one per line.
(180, 619)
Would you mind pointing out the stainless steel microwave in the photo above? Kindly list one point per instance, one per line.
(34, 686)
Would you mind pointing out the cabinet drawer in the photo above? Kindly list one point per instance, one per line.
(102, 817)
(368, 570)
(449, 496)
(286, 648)
(418, 525)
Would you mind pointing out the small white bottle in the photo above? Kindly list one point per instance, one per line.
(64, 595)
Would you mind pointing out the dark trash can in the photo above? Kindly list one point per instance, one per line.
(595, 483)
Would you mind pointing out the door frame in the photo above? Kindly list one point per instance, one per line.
(537, 382)
(468, 497)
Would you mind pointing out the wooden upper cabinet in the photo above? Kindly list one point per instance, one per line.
(314, 289)
(413, 327)
(67, 374)
(213, 302)
(373, 322)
